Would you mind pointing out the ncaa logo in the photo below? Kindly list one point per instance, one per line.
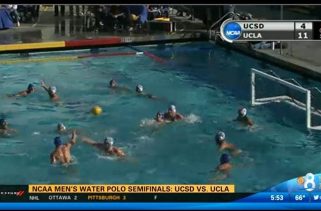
(232, 31)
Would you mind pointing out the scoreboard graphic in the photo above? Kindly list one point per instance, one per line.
(241, 30)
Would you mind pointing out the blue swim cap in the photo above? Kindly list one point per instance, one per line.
(2, 121)
(58, 141)
(30, 86)
(224, 158)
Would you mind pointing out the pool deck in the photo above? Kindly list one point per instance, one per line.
(52, 33)
(66, 32)
(299, 57)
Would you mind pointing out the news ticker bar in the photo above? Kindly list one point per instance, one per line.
(234, 30)
(146, 193)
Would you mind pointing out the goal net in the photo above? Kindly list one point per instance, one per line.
(270, 88)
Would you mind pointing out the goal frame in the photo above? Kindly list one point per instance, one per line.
(284, 98)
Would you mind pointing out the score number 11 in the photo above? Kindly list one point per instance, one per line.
(302, 35)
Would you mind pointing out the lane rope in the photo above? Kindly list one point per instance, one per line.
(67, 58)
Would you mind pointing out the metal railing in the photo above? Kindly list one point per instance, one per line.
(220, 20)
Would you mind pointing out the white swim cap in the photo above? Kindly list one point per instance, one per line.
(172, 108)
(243, 111)
(109, 140)
(53, 89)
(220, 135)
(139, 88)
(61, 126)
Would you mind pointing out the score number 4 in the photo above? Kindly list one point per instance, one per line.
(302, 35)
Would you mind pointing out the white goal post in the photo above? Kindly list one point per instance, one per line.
(285, 98)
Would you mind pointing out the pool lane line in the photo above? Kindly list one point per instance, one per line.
(110, 54)
(52, 59)
(67, 58)
(149, 54)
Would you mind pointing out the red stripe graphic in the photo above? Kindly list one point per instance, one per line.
(93, 42)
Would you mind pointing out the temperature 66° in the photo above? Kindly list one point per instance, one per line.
(299, 197)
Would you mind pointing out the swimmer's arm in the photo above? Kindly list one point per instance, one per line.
(220, 174)
(179, 116)
(236, 119)
(7, 131)
(19, 94)
(151, 96)
(43, 85)
(120, 153)
(88, 141)
(52, 158)
(250, 123)
(12, 130)
(73, 139)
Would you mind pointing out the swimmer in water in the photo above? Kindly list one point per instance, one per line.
(140, 92)
(4, 128)
(224, 167)
(243, 118)
(159, 118)
(30, 89)
(223, 144)
(107, 147)
(52, 91)
(61, 128)
(62, 152)
(114, 86)
(172, 115)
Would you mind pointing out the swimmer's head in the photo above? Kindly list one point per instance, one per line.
(57, 141)
(53, 89)
(159, 116)
(172, 109)
(61, 127)
(242, 112)
(139, 88)
(220, 137)
(109, 141)
(30, 88)
(112, 83)
(224, 159)
(3, 123)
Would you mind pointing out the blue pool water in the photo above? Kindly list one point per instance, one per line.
(206, 83)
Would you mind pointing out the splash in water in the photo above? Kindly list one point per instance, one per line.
(192, 118)
(106, 157)
(148, 123)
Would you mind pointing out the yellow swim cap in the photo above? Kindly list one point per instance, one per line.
(96, 110)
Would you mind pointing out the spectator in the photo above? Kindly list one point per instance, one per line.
(62, 10)
(120, 17)
(12, 8)
(78, 12)
(139, 15)
(5, 18)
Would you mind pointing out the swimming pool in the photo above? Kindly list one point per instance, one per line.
(207, 83)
